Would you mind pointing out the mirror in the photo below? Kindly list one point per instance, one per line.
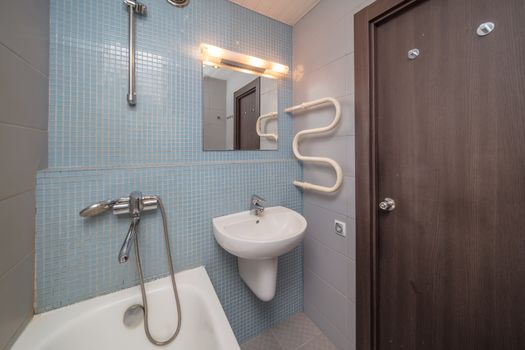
(239, 110)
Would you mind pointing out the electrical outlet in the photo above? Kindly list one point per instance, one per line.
(340, 228)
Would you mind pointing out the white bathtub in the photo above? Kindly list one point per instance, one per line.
(97, 323)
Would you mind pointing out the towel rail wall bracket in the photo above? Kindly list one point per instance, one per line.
(319, 160)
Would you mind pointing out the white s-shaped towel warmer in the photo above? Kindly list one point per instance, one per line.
(300, 134)
(258, 125)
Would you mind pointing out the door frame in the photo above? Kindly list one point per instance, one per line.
(252, 87)
(365, 24)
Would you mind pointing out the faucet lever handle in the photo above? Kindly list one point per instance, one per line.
(125, 250)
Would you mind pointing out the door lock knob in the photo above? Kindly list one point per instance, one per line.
(388, 204)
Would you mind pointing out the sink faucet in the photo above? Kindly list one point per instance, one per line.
(256, 205)
(136, 206)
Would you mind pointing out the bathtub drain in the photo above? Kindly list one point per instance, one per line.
(133, 316)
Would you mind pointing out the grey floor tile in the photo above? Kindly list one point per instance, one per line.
(321, 342)
(295, 332)
(265, 341)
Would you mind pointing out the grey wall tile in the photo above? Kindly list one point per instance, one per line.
(351, 201)
(17, 239)
(362, 5)
(350, 294)
(23, 92)
(24, 28)
(16, 293)
(324, 66)
(339, 148)
(23, 151)
(320, 227)
(337, 202)
(325, 262)
(24, 71)
(324, 116)
(334, 79)
(327, 300)
(330, 34)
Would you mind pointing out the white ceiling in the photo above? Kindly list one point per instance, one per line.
(286, 11)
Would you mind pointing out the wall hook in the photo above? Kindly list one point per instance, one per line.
(485, 28)
(413, 54)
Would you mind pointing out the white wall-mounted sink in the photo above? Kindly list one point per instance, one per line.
(257, 241)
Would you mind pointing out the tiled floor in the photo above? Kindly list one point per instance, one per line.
(297, 333)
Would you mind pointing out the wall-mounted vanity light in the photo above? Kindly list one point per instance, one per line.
(217, 57)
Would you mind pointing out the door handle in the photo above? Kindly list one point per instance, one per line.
(388, 204)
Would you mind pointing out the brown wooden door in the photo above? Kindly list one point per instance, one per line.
(247, 110)
(450, 150)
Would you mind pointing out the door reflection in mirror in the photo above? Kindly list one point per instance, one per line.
(232, 103)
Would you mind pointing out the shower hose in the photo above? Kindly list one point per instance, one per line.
(172, 274)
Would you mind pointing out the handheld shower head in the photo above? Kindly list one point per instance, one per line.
(97, 208)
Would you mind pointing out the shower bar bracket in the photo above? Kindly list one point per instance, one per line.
(134, 7)
(319, 160)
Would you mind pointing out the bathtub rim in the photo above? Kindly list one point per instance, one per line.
(43, 326)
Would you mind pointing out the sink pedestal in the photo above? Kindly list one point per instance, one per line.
(260, 276)
(258, 241)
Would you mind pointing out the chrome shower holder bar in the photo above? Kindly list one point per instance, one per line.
(134, 7)
(137, 8)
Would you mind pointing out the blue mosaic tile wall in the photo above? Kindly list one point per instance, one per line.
(77, 258)
(91, 126)
(101, 148)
